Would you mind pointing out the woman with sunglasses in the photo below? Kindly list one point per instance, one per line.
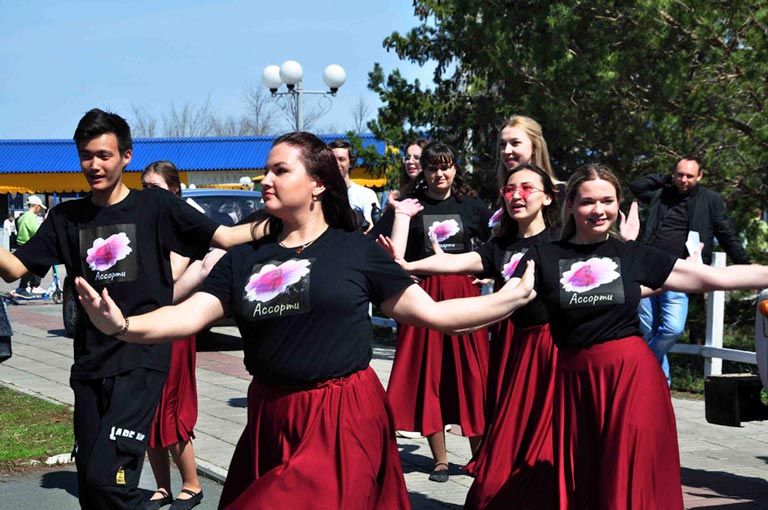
(450, 372)
(514, 466)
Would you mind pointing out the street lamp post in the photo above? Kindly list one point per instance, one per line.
(291, 74)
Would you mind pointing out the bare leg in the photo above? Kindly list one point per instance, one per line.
(437, 445)
(183, 454)
(474, 444)
(161, 468)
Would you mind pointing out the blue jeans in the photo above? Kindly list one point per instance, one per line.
(662, 321)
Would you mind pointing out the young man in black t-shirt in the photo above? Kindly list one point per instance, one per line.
(118, 239)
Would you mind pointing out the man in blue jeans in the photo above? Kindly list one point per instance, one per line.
(679, 205)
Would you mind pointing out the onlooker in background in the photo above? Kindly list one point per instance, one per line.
(173, 427)
(361, 199)
(29, 222)
(9, 227)
(411, 168)
(679, 205)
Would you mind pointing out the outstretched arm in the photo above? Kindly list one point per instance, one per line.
(11, 268)
(162, 325)
(229, 237)
(687, 276)
(414, 306)
(194, 274)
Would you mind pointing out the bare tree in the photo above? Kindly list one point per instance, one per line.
(143, 125)
(261, 111)
(189, 120)
(361, 111)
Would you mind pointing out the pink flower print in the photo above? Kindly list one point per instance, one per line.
(590, 274)
(105, 253)
(495, 218)
(274, 280)
(509, 268)
(442, 230)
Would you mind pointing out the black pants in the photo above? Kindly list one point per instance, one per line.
(30, 279)
(112, 420)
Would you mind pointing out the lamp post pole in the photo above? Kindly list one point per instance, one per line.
(291, 74)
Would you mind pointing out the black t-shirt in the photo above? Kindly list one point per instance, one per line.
(672, 232)
(500, 257)
(304, 317)
(458, 226)
(592, 291)
(124, 247)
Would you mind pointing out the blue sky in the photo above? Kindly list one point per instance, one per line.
(60, 58)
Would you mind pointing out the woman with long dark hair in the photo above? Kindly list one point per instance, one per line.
(320, 432)
(436, 379)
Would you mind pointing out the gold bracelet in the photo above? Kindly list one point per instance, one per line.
(124, 329)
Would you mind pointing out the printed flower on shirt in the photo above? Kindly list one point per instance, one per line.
(442, 230)
(587, 275)
(509, 268)
(495, 218)
(273, 280)
(105, 253)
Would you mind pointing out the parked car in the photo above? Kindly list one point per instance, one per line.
(226, 206)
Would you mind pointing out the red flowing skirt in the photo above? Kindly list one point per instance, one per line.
(436, 378)
(176, 413)
(327, 447)
(514, 467)
(615, 431)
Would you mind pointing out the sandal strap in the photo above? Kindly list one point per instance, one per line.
(442, 464)
(163, 492)
(190, 492)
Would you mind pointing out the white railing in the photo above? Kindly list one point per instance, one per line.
(712, 351)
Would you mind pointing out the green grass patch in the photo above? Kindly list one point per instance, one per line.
(32, 429)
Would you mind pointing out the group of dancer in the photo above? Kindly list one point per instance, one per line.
(565, 408)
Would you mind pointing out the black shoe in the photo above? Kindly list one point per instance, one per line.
(439, 475)
(156, 504)
(186, 504)
(23, 294)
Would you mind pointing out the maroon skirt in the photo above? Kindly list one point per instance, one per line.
(514, 467)
(615, 432)
(436, 378)
(176, 413)
(328, 447)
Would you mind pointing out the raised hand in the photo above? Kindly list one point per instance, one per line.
(629, 225)
(101, 309)
(408, 206)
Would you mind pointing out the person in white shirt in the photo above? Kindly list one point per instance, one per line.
(361, 198)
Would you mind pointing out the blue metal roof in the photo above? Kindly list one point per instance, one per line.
(188, 154)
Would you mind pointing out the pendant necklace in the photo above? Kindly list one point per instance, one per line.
(301, 247)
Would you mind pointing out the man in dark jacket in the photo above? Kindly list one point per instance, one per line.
(679, 205)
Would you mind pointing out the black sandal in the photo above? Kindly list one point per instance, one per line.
(440, 475)
(156, 504)
(186, 504)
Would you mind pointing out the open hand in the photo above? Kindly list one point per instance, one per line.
(629, 226)
(408, 206)
(101, 309)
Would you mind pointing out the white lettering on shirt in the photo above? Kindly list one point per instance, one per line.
(276, 309)
(576, 299)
